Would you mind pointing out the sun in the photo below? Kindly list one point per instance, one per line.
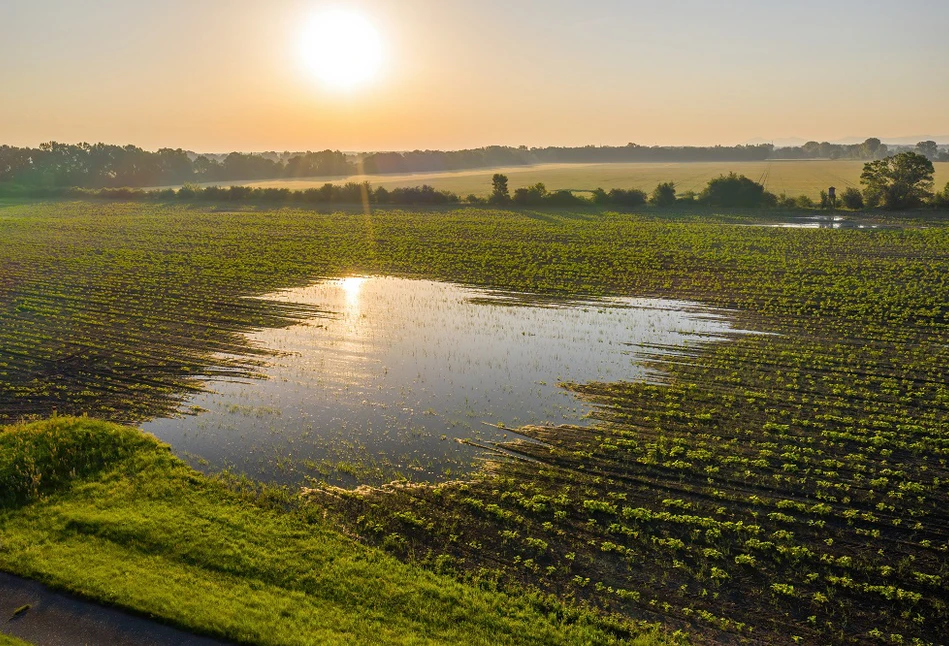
(341, 48)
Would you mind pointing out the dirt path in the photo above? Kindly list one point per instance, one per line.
(57, 619)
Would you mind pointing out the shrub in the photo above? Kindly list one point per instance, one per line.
(664, 194)
(804, 202)
(852, 199)
(424, 194)
(381, 195)
(530, 196)
(941, 200)
(785, 201)
(563, 198)
(733, 190)
(630, 197)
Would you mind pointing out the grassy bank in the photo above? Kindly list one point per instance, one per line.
(11, 641)
(108, 513)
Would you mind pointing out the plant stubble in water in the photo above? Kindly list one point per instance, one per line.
(397, 370)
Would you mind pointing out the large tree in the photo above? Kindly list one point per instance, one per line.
(499, 189)
(928, 149)
(734, 190)
(899, 182)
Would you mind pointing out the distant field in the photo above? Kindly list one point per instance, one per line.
(791, 177)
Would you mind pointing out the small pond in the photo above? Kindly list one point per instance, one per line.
(416, 379)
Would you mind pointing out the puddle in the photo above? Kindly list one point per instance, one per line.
(385, 384)
(825, 222)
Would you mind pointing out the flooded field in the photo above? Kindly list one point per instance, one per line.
(416, 379)
(828, 222)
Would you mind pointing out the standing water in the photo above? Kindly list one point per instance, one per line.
(382, 386)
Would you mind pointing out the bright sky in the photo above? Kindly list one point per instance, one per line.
(221, 75)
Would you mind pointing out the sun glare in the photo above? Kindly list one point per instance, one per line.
(341, 48)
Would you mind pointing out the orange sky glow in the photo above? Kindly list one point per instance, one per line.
(216, 75)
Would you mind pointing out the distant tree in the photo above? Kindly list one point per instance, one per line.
(811, 149)
(688, 196)
(174, 165)
(663, 195)
(627, 197)
(380, 195)
(803, 202)
(530, 196)
(734, 190)
(600, 196)
(785, 201)
(941, 200)
(870, 147)
(898, 182)
(207, 169)
(564, 198)
(424, 194)
(319, 164)
(852, 198)
(499, 190)
(928, 149)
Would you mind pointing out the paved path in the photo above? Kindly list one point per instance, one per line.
(57, 619)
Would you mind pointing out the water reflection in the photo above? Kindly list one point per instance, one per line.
(401, 368)
(825, 222)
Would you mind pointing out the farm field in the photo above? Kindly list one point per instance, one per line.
(791, 177)
(786, 487)
(252, 572)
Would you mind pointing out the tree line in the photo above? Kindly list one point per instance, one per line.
(102, 165)
(902, 181)
(870, 149)
(107, 166)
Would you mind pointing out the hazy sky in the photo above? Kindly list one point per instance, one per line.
(220, 75)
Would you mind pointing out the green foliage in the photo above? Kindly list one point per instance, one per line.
(803, 202)
(37, 459)
(664, 195)
(734, 190)
(941, 200)
(900, 182)
(786, 201)
(928, 149)
(530, 195)
(627, 198)
(852, 198)
(500, 194)
(6, 640)
(148, 534)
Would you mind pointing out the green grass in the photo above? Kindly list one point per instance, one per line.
(792, 177)
(141, 530)
(6, 640)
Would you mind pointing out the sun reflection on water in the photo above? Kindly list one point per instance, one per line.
(408, 378)
(351, 287)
